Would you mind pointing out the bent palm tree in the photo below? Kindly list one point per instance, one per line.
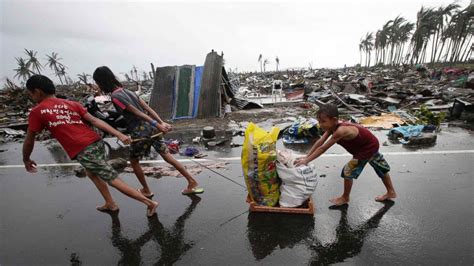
(33, 61)
(56, 66)
(368, 46)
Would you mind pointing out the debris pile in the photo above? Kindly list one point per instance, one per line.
(369, 91)
(15, 105)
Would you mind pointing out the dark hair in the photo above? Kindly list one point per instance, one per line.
(105, 79)
(42, 83)
(329, 109)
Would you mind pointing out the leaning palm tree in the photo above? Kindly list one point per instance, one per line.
(56, 66)
(62, 73)
(361, 50)
(33, 61)
(277, 61)
(425, 27)
(368, 46)
(22, 72)
(404, 36)
(260, 57)
(464, 29)
(444, 14)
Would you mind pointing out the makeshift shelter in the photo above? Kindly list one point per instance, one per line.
(194, 91)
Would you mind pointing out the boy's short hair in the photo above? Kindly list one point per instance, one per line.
(329, 109)
(42, 83)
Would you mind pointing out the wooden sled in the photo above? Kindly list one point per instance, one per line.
(306, 208)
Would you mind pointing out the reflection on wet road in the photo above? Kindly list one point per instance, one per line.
(50, 218)
(266, 232)
(169, 241)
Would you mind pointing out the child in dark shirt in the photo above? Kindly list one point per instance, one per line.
(359, 142)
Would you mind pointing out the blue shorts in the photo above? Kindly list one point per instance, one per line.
(354, 167)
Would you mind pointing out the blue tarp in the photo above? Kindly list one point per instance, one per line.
(407, 132)
(197, 88)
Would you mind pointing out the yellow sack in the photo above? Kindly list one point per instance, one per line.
(259, 165)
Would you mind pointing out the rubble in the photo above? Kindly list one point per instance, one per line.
(358, 92)
(159, 171)
(364, 92)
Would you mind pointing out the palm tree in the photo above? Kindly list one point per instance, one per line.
(438, 28)
(265, 62)
(277, 61)
(22, 72)
(368, 46)
(404, 36)
(56, 66)
(62, 72)
(361, 50)
(464, 29)
(442, 21)
(425, 27)
(260, 57)
(33, 61)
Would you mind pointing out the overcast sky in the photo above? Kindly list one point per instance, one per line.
(120, 34)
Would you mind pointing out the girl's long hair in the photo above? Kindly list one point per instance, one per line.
(105, 79)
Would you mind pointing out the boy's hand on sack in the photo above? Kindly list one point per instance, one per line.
(301, 161)
(127, 140)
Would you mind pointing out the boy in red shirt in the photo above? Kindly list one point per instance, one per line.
(64, 119)
(359, 142)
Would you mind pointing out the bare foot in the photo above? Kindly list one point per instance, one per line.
(386, 196)
(339, 201)
(151, 210)
(147, 194)
(192, 185)
(108, 208)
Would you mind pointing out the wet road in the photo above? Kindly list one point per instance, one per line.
(50, 217)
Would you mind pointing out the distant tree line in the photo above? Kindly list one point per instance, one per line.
(442, 34)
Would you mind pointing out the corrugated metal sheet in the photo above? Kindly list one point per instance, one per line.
(244, 104)
(210, 96)
(161, 99)
(189, 91)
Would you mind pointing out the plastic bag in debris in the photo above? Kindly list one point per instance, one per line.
(298, 183)
(301, 128)
(258, 164)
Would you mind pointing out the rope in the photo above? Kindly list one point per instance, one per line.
(219, 174)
